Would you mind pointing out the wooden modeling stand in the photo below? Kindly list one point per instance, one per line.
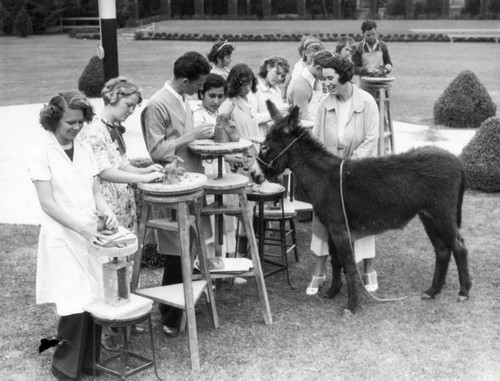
(379, 87)
(222, 184)
(184, 296)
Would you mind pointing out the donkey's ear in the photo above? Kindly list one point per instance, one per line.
(293, 118)
(273, 111)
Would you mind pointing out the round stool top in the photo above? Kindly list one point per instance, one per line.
(378, 81)
(265, 192)
(229, 181)
(191, 182)
(209, 147)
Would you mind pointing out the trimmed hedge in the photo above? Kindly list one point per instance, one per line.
(326, 37)
(91, 81)
(150, 256)
(465, 103)
(481, 157)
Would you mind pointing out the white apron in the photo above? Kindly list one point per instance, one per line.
(69, 273)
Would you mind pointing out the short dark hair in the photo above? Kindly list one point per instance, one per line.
(343, 67)
(238, 75)
(273, 61)
(367, 25)
(51, 113)
(343, 42)
(219, 50)
(213, 81)
(191, 65)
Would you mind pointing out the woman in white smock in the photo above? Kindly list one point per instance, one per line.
(347, 123)
(69, 271)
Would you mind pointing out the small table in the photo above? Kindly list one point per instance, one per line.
(261, 198)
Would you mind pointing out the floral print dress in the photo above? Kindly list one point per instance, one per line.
(119, 196)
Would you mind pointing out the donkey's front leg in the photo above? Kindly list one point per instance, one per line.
(336, 272)
(346, 259)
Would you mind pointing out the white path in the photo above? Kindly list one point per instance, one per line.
(19, 132)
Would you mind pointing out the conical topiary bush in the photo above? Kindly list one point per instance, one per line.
(91, 81)
(23, 24)
(465, 103)
(481, 157)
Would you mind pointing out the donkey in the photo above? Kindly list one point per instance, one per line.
(379, 194)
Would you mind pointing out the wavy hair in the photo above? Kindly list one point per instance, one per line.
(273, 61)
(117, 88)
(51, 113)
(343, 66)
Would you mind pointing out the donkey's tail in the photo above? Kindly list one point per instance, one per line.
(463, 183)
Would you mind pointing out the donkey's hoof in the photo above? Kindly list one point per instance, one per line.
(462, 298)
(426, 296)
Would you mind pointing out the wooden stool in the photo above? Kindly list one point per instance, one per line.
(186, 295)
(236, 184)
(379, 87)
(267, 215)
(123, 317)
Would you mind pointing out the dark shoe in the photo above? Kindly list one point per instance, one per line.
(60, 376)
(170, 332)
(90, 372)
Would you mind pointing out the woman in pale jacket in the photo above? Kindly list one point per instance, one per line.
(347, 123)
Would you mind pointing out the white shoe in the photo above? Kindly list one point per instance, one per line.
(370, 281)
(315, 284)
(238, 280)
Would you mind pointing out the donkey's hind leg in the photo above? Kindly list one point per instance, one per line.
(336, 272)
(443, 255)
(460, 254)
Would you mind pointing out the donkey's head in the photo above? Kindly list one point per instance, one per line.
(273, 157)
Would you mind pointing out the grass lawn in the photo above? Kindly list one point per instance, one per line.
(310, 338)
(423, 70)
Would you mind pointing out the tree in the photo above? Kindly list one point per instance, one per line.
(23, 24)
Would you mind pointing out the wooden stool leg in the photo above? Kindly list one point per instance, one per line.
(141, 236)
(390, 126)
(381, 109)
(259, 277)
(202, 256)
(188, 285)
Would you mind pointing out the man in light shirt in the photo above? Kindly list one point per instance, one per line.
(305, 90)
(168, 127)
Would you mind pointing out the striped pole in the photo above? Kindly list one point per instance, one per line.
(107, 19)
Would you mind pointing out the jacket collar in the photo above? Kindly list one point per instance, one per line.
(358, 105)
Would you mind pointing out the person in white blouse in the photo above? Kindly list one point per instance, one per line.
(272, 73)
(212, 95)
(347, 123)
(220, 56)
